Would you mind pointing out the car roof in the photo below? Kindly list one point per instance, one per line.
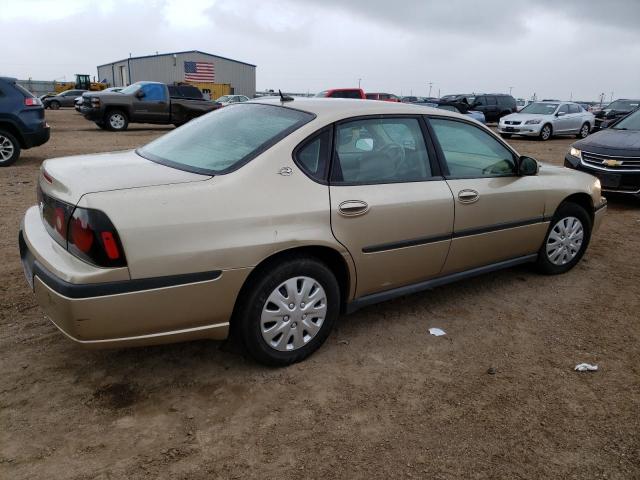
(338, 108)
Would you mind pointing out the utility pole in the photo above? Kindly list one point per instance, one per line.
(430, 85)
(611, 97)
(359, 80)
(510, 88)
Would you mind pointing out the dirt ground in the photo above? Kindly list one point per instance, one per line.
(381, 399)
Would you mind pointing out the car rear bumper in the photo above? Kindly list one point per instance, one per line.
(611, 180)
(37, 138)
(101, 309)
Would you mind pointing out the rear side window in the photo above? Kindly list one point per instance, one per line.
(313, 155)
(470, 152)
(491, 101)
(383, 150)
(225, 139)
(188, 91)
(574, 109)
(346, 94)
(24, 91)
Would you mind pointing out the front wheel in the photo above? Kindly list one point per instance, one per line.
(116, 121)
(9, 149)
(566, 241)
(545, 132)
(584, 131)
(288, 312)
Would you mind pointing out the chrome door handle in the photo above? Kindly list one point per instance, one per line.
(468, 196)
(352, 208)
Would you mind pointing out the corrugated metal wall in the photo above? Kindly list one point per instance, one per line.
(170, 69)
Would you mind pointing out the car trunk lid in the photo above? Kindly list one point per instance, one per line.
(69, 178)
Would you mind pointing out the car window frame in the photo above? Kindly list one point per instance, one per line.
(434, 164)
(444, 167)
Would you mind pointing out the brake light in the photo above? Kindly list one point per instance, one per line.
(93, 238)
(32, 102)
(110, 245)
(81, 234)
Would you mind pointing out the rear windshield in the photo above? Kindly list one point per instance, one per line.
(225, 139)
(26, 92)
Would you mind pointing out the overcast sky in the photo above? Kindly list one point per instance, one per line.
(556, 48)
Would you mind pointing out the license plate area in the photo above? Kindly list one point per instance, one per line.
(511, 129)
(610, 180)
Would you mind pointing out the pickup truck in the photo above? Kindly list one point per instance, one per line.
(144, 102)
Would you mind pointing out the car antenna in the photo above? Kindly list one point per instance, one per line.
(285, 98)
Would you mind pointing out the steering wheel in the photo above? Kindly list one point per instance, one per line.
(496, 168)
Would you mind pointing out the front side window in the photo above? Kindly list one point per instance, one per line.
(491, 101)
(564, 109)
(540, 108)
(481, 101)
(382, 150)
(153, 92)
(225, 138)
(470, 152)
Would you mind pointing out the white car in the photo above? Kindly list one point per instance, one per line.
(545, 119)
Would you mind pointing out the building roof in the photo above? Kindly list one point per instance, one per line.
(176, 53)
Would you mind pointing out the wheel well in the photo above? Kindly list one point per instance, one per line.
(582, 199)
(550, 126)
(330, 257)
(13, 131)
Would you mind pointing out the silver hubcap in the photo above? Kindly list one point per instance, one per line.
(116, 121)
(293, 314)
(546, 132)
(6, 148)
(565, 241)
(585, 131)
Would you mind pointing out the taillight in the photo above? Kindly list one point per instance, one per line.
(32, 102)
(84, 232)
(93, 238)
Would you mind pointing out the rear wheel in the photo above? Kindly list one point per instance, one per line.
(566, 241)
(9, 149)
(545, 132)
(288, 311)
(54, 105)
(116, 120)
(584, 131)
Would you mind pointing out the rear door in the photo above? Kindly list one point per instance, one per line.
(498, 214)
(575, 115)
(390, 207)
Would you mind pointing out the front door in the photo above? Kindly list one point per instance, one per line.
(563, 120)
(498, 214)
(389, 206)
(153, 106)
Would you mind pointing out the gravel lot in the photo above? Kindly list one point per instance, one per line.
(381, 399)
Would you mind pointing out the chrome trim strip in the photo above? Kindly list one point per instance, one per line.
(609, 170)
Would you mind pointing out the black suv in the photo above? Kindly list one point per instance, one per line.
(22, 123)
(493, 105)
(614, 112)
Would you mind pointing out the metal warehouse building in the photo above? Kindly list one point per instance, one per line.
(234, 76)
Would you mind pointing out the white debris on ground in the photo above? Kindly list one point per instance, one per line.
(437, 332)
(586, 367)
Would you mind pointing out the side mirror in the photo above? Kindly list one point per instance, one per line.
(528, 166)
(560, 114)
(139, 94)
(365, 144)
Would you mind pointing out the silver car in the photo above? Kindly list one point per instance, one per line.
(545, 119)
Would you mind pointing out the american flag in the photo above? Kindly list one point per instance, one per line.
(198, 72)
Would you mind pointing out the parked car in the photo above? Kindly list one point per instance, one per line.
(342, 93)
(145, 102)
(229, 99)
(493, 105)
(411, 99)
(156, 254)
(614, 111)
(79, 100)
(461, 108)
(612, 155)
(64, 99)
(22, 122)
(546, 119)
(385, 97)
(521, 103)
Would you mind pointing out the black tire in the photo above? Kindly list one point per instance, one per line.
(247, 320)
(116, 121)
(505, 135)
(101, 125)
(546, 132)
(54, 105)
(584, 130)
(9, 149)
(566, 210)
